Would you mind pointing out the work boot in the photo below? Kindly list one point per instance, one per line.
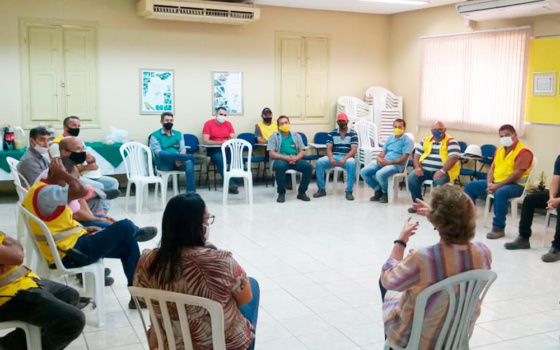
(496, 233)
(320, 193)
(281, 198)
(384, 198)
(233, 189)
(146, 233)
(518, 243)
(302, 196)
(349, 196)
(552, 255)
(376, 197)
(411, 210)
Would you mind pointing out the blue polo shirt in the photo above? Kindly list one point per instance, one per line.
(395, 147)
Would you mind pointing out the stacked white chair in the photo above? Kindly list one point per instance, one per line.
(139, 171)
(368, 146)
(386, 107)
(164, 325)
(240, 166)
(94, 281)
(355, 109)
(464, 291)
(514, 201)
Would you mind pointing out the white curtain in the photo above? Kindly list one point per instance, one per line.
(474, 81)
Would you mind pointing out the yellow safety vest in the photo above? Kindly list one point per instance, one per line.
(64, 229)
(428, 144)
(15, 278)
(504, 165)
(267, 130)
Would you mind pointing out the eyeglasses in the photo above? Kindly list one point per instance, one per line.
(210, 219)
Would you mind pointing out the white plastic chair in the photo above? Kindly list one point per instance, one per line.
(138, 163)
(291, 172)
(464, 291)
(368, 147)
(180, 302)
(355, 109)
(174, 174)
(514, 201)
(336, 170)
(386, 107)
(549, 213)
(238, 167)
(94, 281)
(32, 333)
(19, 179)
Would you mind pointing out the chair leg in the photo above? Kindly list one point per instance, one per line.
(127, 195)
(486, 210)
(294, 183)
(139, 196)
(225, 190)
(97, 280)
(175, 185)
(391, 190)
(249, 189)
(164, 184)
(514, 211)
(546, 224)
(33, 337)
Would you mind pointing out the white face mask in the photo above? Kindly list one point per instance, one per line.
(221, 118)
(206, 232)
(506, 141)
(40, 150)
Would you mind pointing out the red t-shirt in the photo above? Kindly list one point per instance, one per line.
(217, 132)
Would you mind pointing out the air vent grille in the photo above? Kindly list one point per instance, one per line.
(202, 12)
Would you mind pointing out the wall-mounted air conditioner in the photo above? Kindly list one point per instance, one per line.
(198, 11)
(482, 10)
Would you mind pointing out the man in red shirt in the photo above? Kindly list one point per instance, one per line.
(216, 132)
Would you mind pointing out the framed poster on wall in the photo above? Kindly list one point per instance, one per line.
(544, 83)
(157, 91)
(227, 91)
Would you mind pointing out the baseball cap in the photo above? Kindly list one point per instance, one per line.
(342, 116)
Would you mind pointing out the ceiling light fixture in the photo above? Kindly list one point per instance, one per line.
(400, 2)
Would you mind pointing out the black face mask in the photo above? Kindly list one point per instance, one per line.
(78, 157)
(74, 132)
(267, 119)
(342, 126)
(167, 126)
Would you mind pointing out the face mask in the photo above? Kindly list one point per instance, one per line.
(206, 230)
(342, 125)
(167, 126)
(40, 150)
(267, 119)
(398, 131)
(74, 132)
(221, 118)
(506, 141)
(438, 134)
(78, 157)
(284, 128)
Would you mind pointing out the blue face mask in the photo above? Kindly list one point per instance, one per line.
(438, 134)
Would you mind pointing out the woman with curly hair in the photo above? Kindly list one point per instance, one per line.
(453, 215)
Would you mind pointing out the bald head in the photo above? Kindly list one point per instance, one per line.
(438, 130)
(70, 144)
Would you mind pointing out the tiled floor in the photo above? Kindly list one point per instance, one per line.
(318, 264)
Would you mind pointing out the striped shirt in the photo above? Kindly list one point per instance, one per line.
(342, 145)
(433, 162)
(405, 279)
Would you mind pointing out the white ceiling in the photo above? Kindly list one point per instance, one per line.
(353, 5)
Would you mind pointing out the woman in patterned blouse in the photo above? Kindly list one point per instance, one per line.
(453, 215)
(184, 264)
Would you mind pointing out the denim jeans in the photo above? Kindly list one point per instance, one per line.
(280, 167)
(103, 182)
(51, 307)
(376, 176)
(415, 183)
(166, 162)
(324, 163)
(530, 203)
(477, 188)
(251, 309)
(116, 241)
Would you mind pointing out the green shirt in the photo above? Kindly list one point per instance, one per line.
(160, 141)
(288, 146)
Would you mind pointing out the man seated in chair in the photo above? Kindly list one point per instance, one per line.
(168, 146)
(40, 302)
(87, 165)
(287, 150)
(35, 160)
(342, 145)
(78, 246)
(265, 128)
(390, 161)
(435, 159)
(506, 178)
(547, 199)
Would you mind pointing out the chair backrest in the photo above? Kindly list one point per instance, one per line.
(22, 192)
(464, 291)
(136, 158)
(19, 179)
(367, 134)
(487, 151)
(321, 138)
(37, 228)
(530, 176)
(463, 146)
(164, 329)
(236, 148)
(354, 108)
(303, 138)
(247, 136)
(386, 108)
(191, 142)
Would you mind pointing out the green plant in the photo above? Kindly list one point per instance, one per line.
(541, 181)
